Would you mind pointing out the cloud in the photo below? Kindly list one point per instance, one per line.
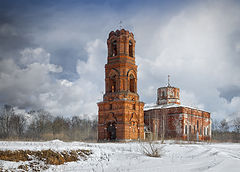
(32, 86)
(23, 86)
(54, 58)
(195, 46)
(37, 55)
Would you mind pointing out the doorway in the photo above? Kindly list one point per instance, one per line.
(111, 130)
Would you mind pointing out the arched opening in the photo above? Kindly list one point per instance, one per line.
(132, 84)
(163, 93)
(130, 49)
(113, 84)
(111, 131)
(114, 48)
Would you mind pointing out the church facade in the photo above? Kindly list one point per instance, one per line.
(122, 116)
(168, 119)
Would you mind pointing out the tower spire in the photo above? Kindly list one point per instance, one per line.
(120, 25)
(169, 81)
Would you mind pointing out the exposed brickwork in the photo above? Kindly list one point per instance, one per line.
(120, 115)
(175, 120)
(167, 95)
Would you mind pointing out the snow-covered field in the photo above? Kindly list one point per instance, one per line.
(129, 156)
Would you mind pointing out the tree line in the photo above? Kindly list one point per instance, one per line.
(224, 131)
(42, 125)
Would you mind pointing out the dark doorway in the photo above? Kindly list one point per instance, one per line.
(111, 129)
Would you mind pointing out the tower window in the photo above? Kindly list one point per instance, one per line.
(113, 84)
(114, 48)
(130, 49)
(163, 94)
(132, 84)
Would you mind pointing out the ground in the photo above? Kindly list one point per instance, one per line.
(130, 157)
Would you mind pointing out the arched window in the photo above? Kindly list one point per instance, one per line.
(113, 84)
(114, 48)
(132, 84)
(130, 49)
(163, 93)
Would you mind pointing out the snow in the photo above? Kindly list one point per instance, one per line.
(129, 156)
(171, 105)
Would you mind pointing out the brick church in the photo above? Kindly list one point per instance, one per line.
(122, 116)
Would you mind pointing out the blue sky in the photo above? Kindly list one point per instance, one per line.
(52, 53)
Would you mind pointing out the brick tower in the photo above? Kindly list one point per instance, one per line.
(120, 114)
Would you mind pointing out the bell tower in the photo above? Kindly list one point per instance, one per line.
(120, 114)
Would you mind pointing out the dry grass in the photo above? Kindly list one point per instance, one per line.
(39, 160)
(152, 149)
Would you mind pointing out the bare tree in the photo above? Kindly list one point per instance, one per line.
(224, 127)
(6, 113)
(236, 124)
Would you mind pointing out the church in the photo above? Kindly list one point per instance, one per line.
(121, 114)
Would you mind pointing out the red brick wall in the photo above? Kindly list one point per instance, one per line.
(175, 119)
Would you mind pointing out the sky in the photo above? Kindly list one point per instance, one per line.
(52, 53)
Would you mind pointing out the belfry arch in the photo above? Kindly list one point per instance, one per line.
(112, 81)
(113, 84)
(114, 48)
(132, 83)
(130, 48)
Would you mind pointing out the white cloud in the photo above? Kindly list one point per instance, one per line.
(33, 86)
(197, 45)
(190, 99)
(66, 83)
(37, 55)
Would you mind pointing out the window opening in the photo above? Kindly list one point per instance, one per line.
(113, 84)
(130, 49)
(114, 48)
(132, 84)
(163, 93)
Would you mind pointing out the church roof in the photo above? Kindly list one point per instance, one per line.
(166, 106)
